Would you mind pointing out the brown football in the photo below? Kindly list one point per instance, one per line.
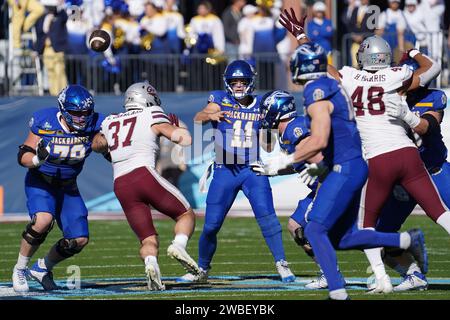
(99, 40)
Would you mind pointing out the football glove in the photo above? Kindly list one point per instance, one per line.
(292, 24)
(402, 111)
(42, 153)
(272, 165)
(312, 172)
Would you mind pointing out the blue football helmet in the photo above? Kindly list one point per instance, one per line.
(242, 70)
(77, 106)
(276, 106)
(308, 62)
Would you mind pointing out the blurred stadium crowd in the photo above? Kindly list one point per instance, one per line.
(182, 45)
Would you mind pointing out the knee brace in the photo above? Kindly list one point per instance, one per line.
(269, 225)
(302, 241)
(33, 237)
(68, 247)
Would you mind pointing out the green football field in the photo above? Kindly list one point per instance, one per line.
(243, 268)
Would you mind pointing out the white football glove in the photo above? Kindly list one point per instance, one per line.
(272, 165)
(403, 112)
(311, 172)
(306, 178)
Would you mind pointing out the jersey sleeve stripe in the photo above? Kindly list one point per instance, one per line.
(160, 116)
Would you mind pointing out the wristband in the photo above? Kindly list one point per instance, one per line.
(413, 52)
(36, 161)
(412, 120)
(301, 36)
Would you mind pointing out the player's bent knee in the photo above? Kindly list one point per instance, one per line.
(269, 225)
(34, 237)
(70, 247)
(82, 242)
(211, 229)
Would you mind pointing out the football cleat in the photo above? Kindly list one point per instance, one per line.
(201, 277)
(418, 249)
(154, 277)
(319, 283)
(19, 278)
(284, 271)
(381, 285)
(415, 281)
(179, 253)
(40, 273)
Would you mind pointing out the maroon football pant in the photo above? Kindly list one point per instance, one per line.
(404, 167)
(144, 187)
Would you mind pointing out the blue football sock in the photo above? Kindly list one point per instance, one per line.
(325, 254)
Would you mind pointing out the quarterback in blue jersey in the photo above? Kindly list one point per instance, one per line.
(278, 109)
(429, 105)
(54, 152)
(235, 118)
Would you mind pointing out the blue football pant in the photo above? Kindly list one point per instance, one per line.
(224, 187)
(64, 204)
(333, 198)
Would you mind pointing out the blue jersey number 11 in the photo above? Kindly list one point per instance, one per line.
(237, 142)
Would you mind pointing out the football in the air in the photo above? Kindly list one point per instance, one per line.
(99, 40)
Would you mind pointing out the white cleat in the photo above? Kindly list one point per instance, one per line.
(381, 285)
(284, 271)
(19, 278)
(415, 281)
(319, 283)
(180, 254)
(154, 277)
(201, 277)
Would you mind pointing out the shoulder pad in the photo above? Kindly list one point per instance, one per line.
(319, 90)
(296, 131)
(158, 115)
(42, 119)
(440, 100)
(98, 119)
(215, 96)
(395, 77)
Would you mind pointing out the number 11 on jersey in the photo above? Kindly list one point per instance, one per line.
(236, 142)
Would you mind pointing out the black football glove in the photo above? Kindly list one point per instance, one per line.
(42, 151)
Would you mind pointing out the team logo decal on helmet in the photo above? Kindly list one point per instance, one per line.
(243, 71)
(276, 106)
(308, 62)
(141, 95)
(76, 105)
